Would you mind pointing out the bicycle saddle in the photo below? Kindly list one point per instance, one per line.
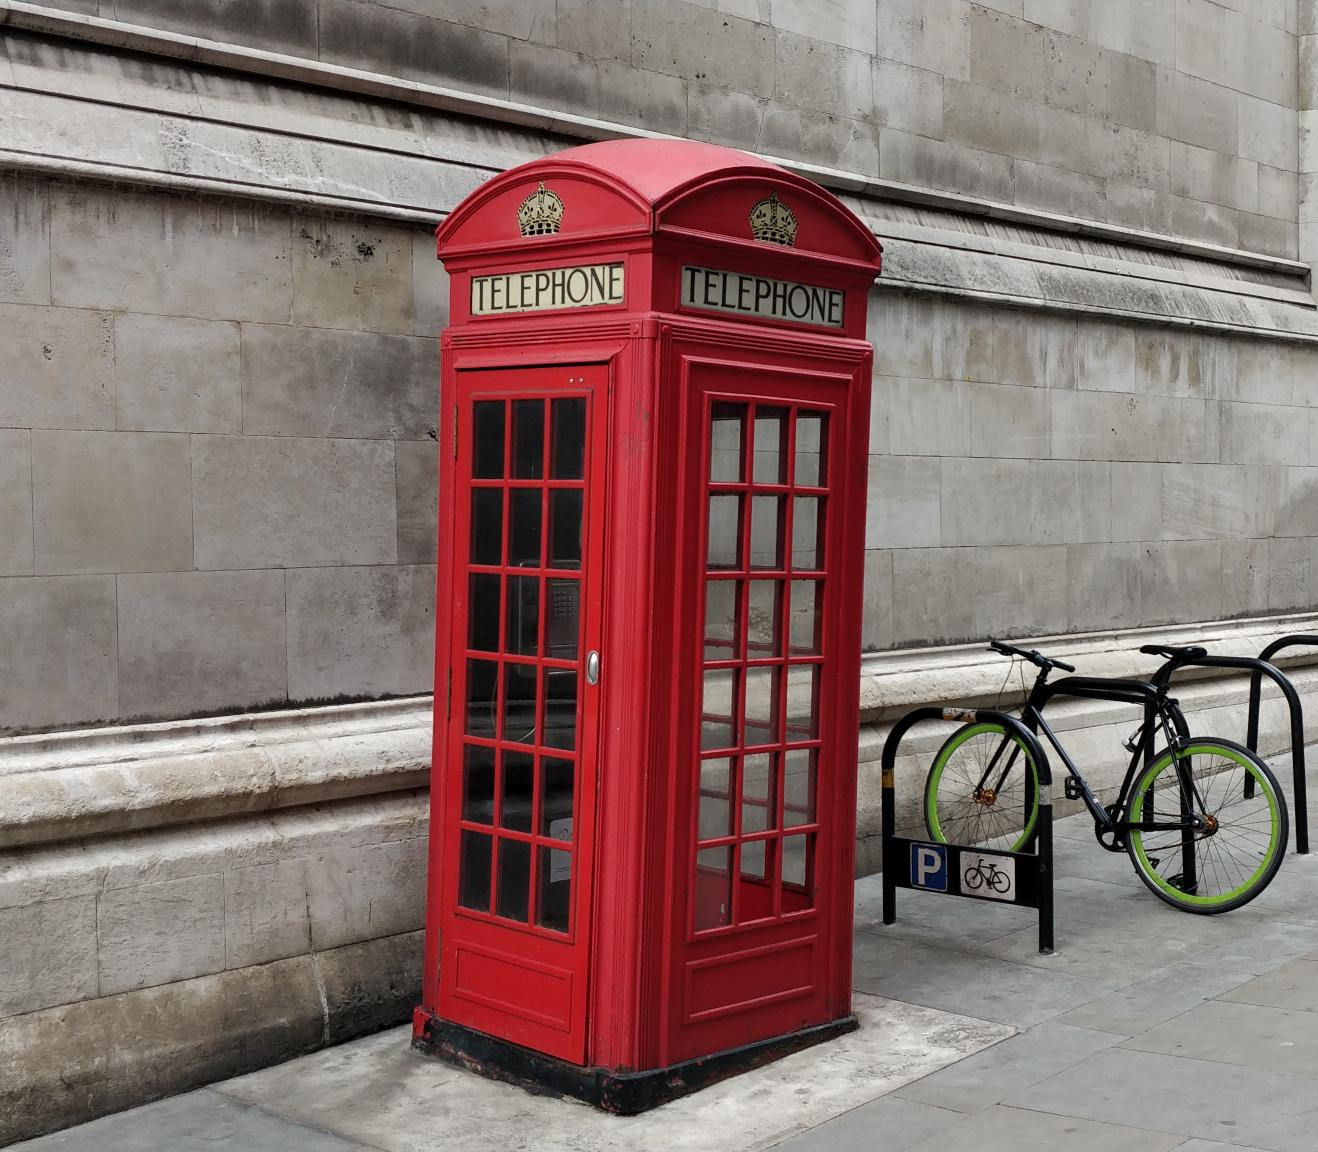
(1175, 652)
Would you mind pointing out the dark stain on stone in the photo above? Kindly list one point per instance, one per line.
(365, 250)
(47, 352)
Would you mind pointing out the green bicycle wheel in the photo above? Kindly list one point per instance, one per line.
(1237, 841)
(982, 789)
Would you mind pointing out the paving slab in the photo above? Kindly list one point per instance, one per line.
(1021, 1130)
(1156, 998)
(1249, 1035)
(1293, 985)
(889, 1123)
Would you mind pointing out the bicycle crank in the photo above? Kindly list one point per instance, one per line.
(1109, 837)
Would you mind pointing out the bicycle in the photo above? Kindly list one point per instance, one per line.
(1203, 821)
(986, 872)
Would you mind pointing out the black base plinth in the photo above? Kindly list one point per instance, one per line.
(624, 1093)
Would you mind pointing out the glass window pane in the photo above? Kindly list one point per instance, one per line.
(557, 777)
(568, 429)
(799, 787)
(560, 708)
(767, 531)
(487, 440)
(715, 798)
(771, 446)
(712, 899)
(518, 791)
(564, 624)
(803, 701)
(717, 722)
(754, 865)
(811, 446)
(759, 793)
(528, 439)
(523, 615)
(483, 612)
(487, 525)
(482, 696)
(478, 784)
(805, 619)
(798, 873)
(724, 532)
(763, 638)
(553, 901)
(524, 527)
(514, 894)
(727, 443)
(722, 620)
(808, 533)
(762, 686)
(565, 527)
(519, 703)
(475, 850)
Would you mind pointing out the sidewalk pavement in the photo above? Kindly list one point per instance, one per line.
(1149, 1030)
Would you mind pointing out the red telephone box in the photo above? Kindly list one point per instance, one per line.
(653, 451)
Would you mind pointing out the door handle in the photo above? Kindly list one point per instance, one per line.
(592, 667)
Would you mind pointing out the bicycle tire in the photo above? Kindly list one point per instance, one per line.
(976, 884)
(952, 815)
(1259, 825)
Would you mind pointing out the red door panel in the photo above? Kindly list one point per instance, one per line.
(523, 731)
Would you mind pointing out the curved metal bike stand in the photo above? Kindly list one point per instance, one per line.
(1258, 668)
(1032, 872)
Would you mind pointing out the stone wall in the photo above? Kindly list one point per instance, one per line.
(1174, 116)
(218, 424)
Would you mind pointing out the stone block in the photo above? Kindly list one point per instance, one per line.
(61, 632)
(1212, 502)
(174, 374)
(932, 34)
(1278, 193)
(279, 502)
(24, 240)
(430, 287)
(1069, 16)
(372, 984)
(289, 26)
(58, 368)
(1267, 132)
(813, 73)
(522, 19)
(548, 77)
(360, 631)
(1006, 420)
(910, 99)
(201, 641)
(47, 954)
(1290, 586)
(1204, 40)
(1076, 75)
(265, 913)
(691, 42)
(1013, 126)
(1133, 92)
(900, 326)
(724, 116)
(416, 472)
(649, 100)
(988, 502)
(927, 417)
(1245, 574)
(322, 382)
(1143, 28)
(352, 274)
(366, 893)
(904, 501)
(601, 31)
(1268, 372)
(1115, 426)
(1202, 174)
(1127, 155)
(1105, 357)
(1057, 190)
(1173, 362)
(1293, 496)
(1269, 235)
(1263, 434)
(111, 502)
(159, 933)
(946, 595)
(876, 633)
(1136, 501)
(151, 252)
(16, 502)
(940, 164)
(382, 39)
(819, 138)
(848, 22)
(1006, 54)
(1203, 113)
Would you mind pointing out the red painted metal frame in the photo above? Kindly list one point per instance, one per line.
(655, 206)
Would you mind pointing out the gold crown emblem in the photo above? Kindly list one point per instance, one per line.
(541, 213)
(773, 221)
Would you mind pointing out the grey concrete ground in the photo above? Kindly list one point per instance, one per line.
(1148, 1030)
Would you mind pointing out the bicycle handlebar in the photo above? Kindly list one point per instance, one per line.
(1035, 658)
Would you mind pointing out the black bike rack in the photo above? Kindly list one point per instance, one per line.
(1032, 872)
(1258, 668)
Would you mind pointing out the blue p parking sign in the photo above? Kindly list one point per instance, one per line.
(929, 867)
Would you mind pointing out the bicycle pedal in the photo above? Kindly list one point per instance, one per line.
(1071, 789)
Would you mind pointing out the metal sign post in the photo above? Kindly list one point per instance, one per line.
(1021, 878)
